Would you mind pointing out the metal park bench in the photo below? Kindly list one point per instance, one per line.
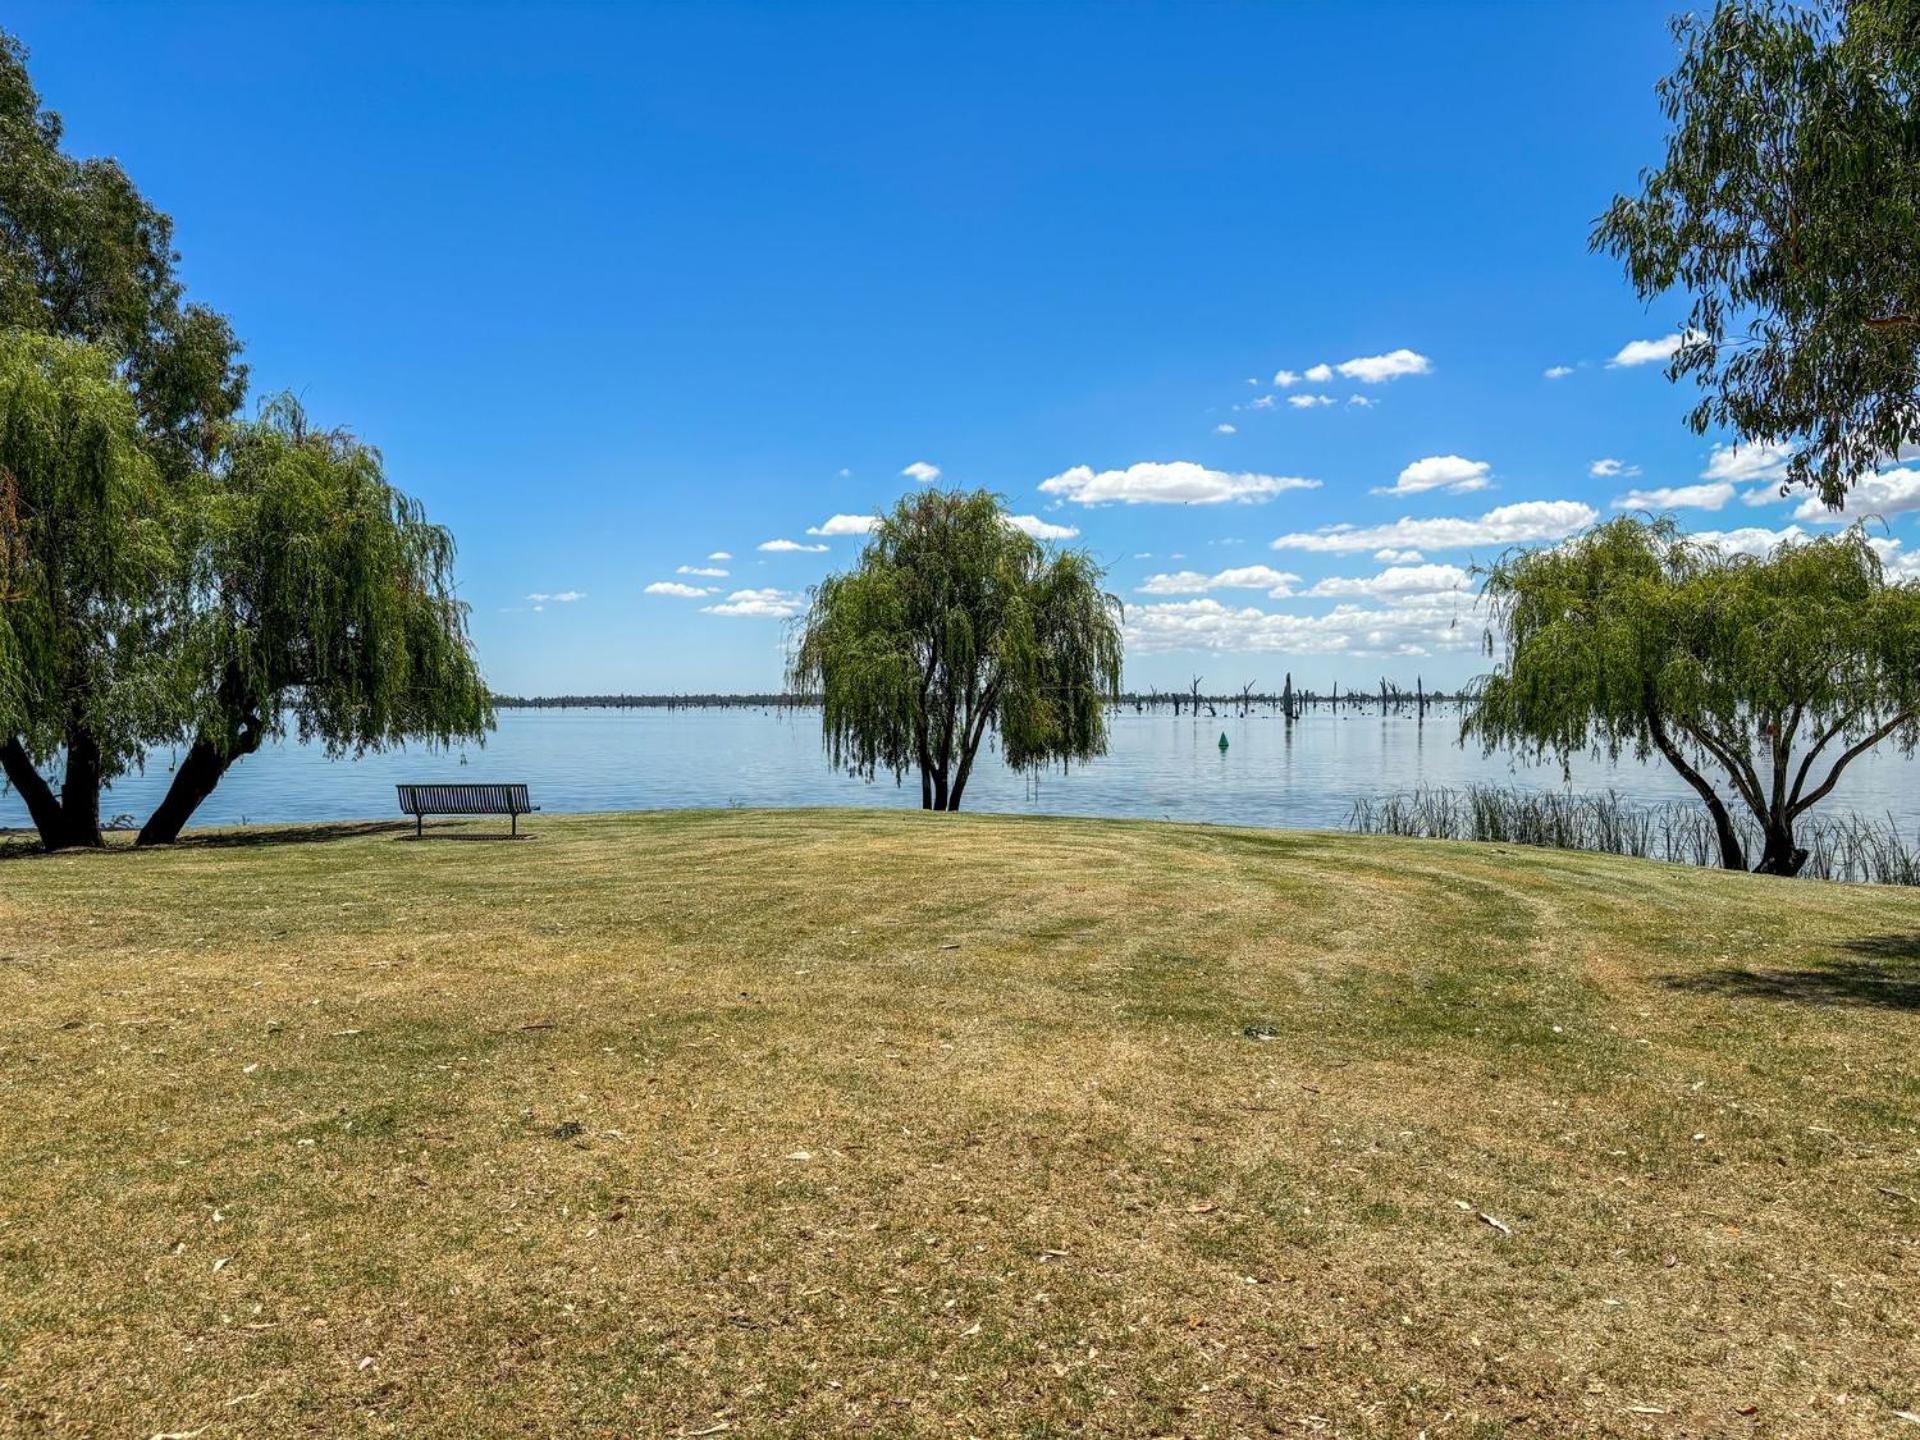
(421, 801)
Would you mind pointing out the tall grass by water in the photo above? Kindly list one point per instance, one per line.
(1839, 847)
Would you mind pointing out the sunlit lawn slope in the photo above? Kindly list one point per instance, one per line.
(805, 1123)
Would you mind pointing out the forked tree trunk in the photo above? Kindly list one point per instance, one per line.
(1779, 855)
(70, 820)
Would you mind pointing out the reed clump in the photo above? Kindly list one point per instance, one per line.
(1844, 847)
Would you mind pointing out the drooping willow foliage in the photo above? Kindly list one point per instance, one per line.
(287, 588)
(1758, 679)
(323, 605)
(89, 571)
(955, 624)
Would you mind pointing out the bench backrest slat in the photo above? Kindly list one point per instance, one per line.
(464, 799)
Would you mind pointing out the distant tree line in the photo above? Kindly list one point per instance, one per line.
(1244, 701)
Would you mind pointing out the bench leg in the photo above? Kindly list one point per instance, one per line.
(419, 827)
(516, 824)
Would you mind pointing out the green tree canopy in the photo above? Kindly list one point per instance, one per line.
(955, 624)
(92, 570)
(324, 605)
(85, 257)
(1758, 680)
(1786, 209)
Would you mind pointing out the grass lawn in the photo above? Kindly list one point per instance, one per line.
(807, 1123)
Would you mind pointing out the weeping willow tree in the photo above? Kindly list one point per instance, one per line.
(323, 607)
(955, 624)
(1759, 680)
(90, 569)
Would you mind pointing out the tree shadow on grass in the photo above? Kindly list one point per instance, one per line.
(24, 844)
(291, 835)
(1880, 971)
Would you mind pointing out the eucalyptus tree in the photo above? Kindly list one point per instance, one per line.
(955, 624)
(90, 563)
(322, 605)
(1785, 209)
(1759, 680)
(84, 256)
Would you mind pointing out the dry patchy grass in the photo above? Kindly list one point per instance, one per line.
(782, 1124)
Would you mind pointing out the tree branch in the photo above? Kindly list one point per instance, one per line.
(1847, 757)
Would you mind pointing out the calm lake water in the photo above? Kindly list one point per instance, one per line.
(1307, 775)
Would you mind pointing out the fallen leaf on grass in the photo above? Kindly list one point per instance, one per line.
(1205, 1207)
(800, 1155)
(1500, 1225)
(222, 1263)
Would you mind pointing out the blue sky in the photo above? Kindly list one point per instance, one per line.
(619, 289)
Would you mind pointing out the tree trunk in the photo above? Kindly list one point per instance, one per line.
(1732, 855)
(34, 792)
(80, 791)
(205, 765)
(939, 788)
(1779, 855)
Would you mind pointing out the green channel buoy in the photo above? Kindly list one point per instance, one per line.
(1223, 740)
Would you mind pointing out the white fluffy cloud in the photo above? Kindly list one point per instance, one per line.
(674, 587)
(1362, 402)
(1307, 402)
(1277, 583)
(759, 604)
(565, 597)
(1767, 461)
(1417, 627)
(1516, 524)
(1891, 492)
(1398, 557)
(1709, 496)
(1225, 429)
(1558, 372)
(1396, 581)
(721, 555)
(1042, 529)
(1750, 540)
(923, 472)
(1172, 482)
(1284, 378)
(1319, 374)
(1652, 352)
(842, 525)
(712, 572)
(788, 547)
(1373, 369)
(1611, 469)
(1454, 473)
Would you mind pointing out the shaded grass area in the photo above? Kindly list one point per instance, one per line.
(803, 1123)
